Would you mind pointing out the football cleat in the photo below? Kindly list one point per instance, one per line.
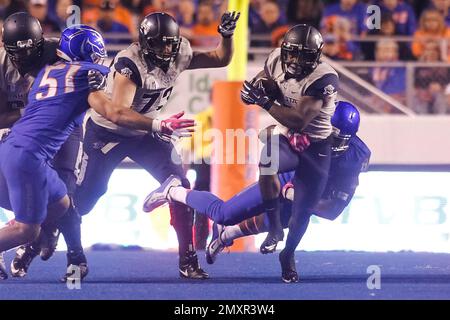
(3, 272)
(22, 260)
(269, 244)
(48, 243)
(189, 267)
(288, 271)
(216, 245)
(160, 196)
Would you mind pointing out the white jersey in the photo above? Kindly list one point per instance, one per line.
(321, 83)
(154, 86)
(14, 87)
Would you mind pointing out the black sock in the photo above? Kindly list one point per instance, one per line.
(296, 233)
(272, 208)
(75, 257)
(70, 226)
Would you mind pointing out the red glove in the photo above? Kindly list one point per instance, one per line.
(298, 141)
(174, 126)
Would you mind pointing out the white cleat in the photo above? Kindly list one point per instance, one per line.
(216, 246)
(160, 196)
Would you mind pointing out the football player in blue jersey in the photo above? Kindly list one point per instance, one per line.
(241, 215)
(57, 103)
(350, 157)
(24, 53)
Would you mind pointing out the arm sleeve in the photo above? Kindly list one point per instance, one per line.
(126, 67)
(323, 87)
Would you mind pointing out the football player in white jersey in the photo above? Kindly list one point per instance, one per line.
(299, 91)
(143, 76)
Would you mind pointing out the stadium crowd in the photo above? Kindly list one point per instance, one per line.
(410, 31)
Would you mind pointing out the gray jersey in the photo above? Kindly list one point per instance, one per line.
(154, 86)
(14, 87)
(322, 83)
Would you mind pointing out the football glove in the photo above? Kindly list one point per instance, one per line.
(174, 126)
(96, 80)
(228, 24)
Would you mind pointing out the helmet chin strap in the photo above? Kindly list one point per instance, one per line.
(301, 75)
(23, 68)
(164, 66)
(30, 61)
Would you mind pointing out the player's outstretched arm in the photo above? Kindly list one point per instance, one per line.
(119, 112)
(221, 56)
(8, 116)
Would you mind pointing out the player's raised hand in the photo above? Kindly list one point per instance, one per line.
(174, 126)
(251, 94)
(96, 80)
(228, 24)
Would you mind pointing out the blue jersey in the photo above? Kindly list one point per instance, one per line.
(344, 172)
(345, 169)
(57, 103)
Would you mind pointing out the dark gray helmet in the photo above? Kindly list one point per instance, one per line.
(301, 50)
(23, 40)
(159, 38)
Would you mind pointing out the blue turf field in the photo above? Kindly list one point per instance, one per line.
(324, 275)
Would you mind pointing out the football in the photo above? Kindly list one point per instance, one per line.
(269, 86)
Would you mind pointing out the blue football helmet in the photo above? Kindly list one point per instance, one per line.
(345, 122)
(81, 43)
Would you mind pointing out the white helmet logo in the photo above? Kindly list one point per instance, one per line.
(319, 40)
